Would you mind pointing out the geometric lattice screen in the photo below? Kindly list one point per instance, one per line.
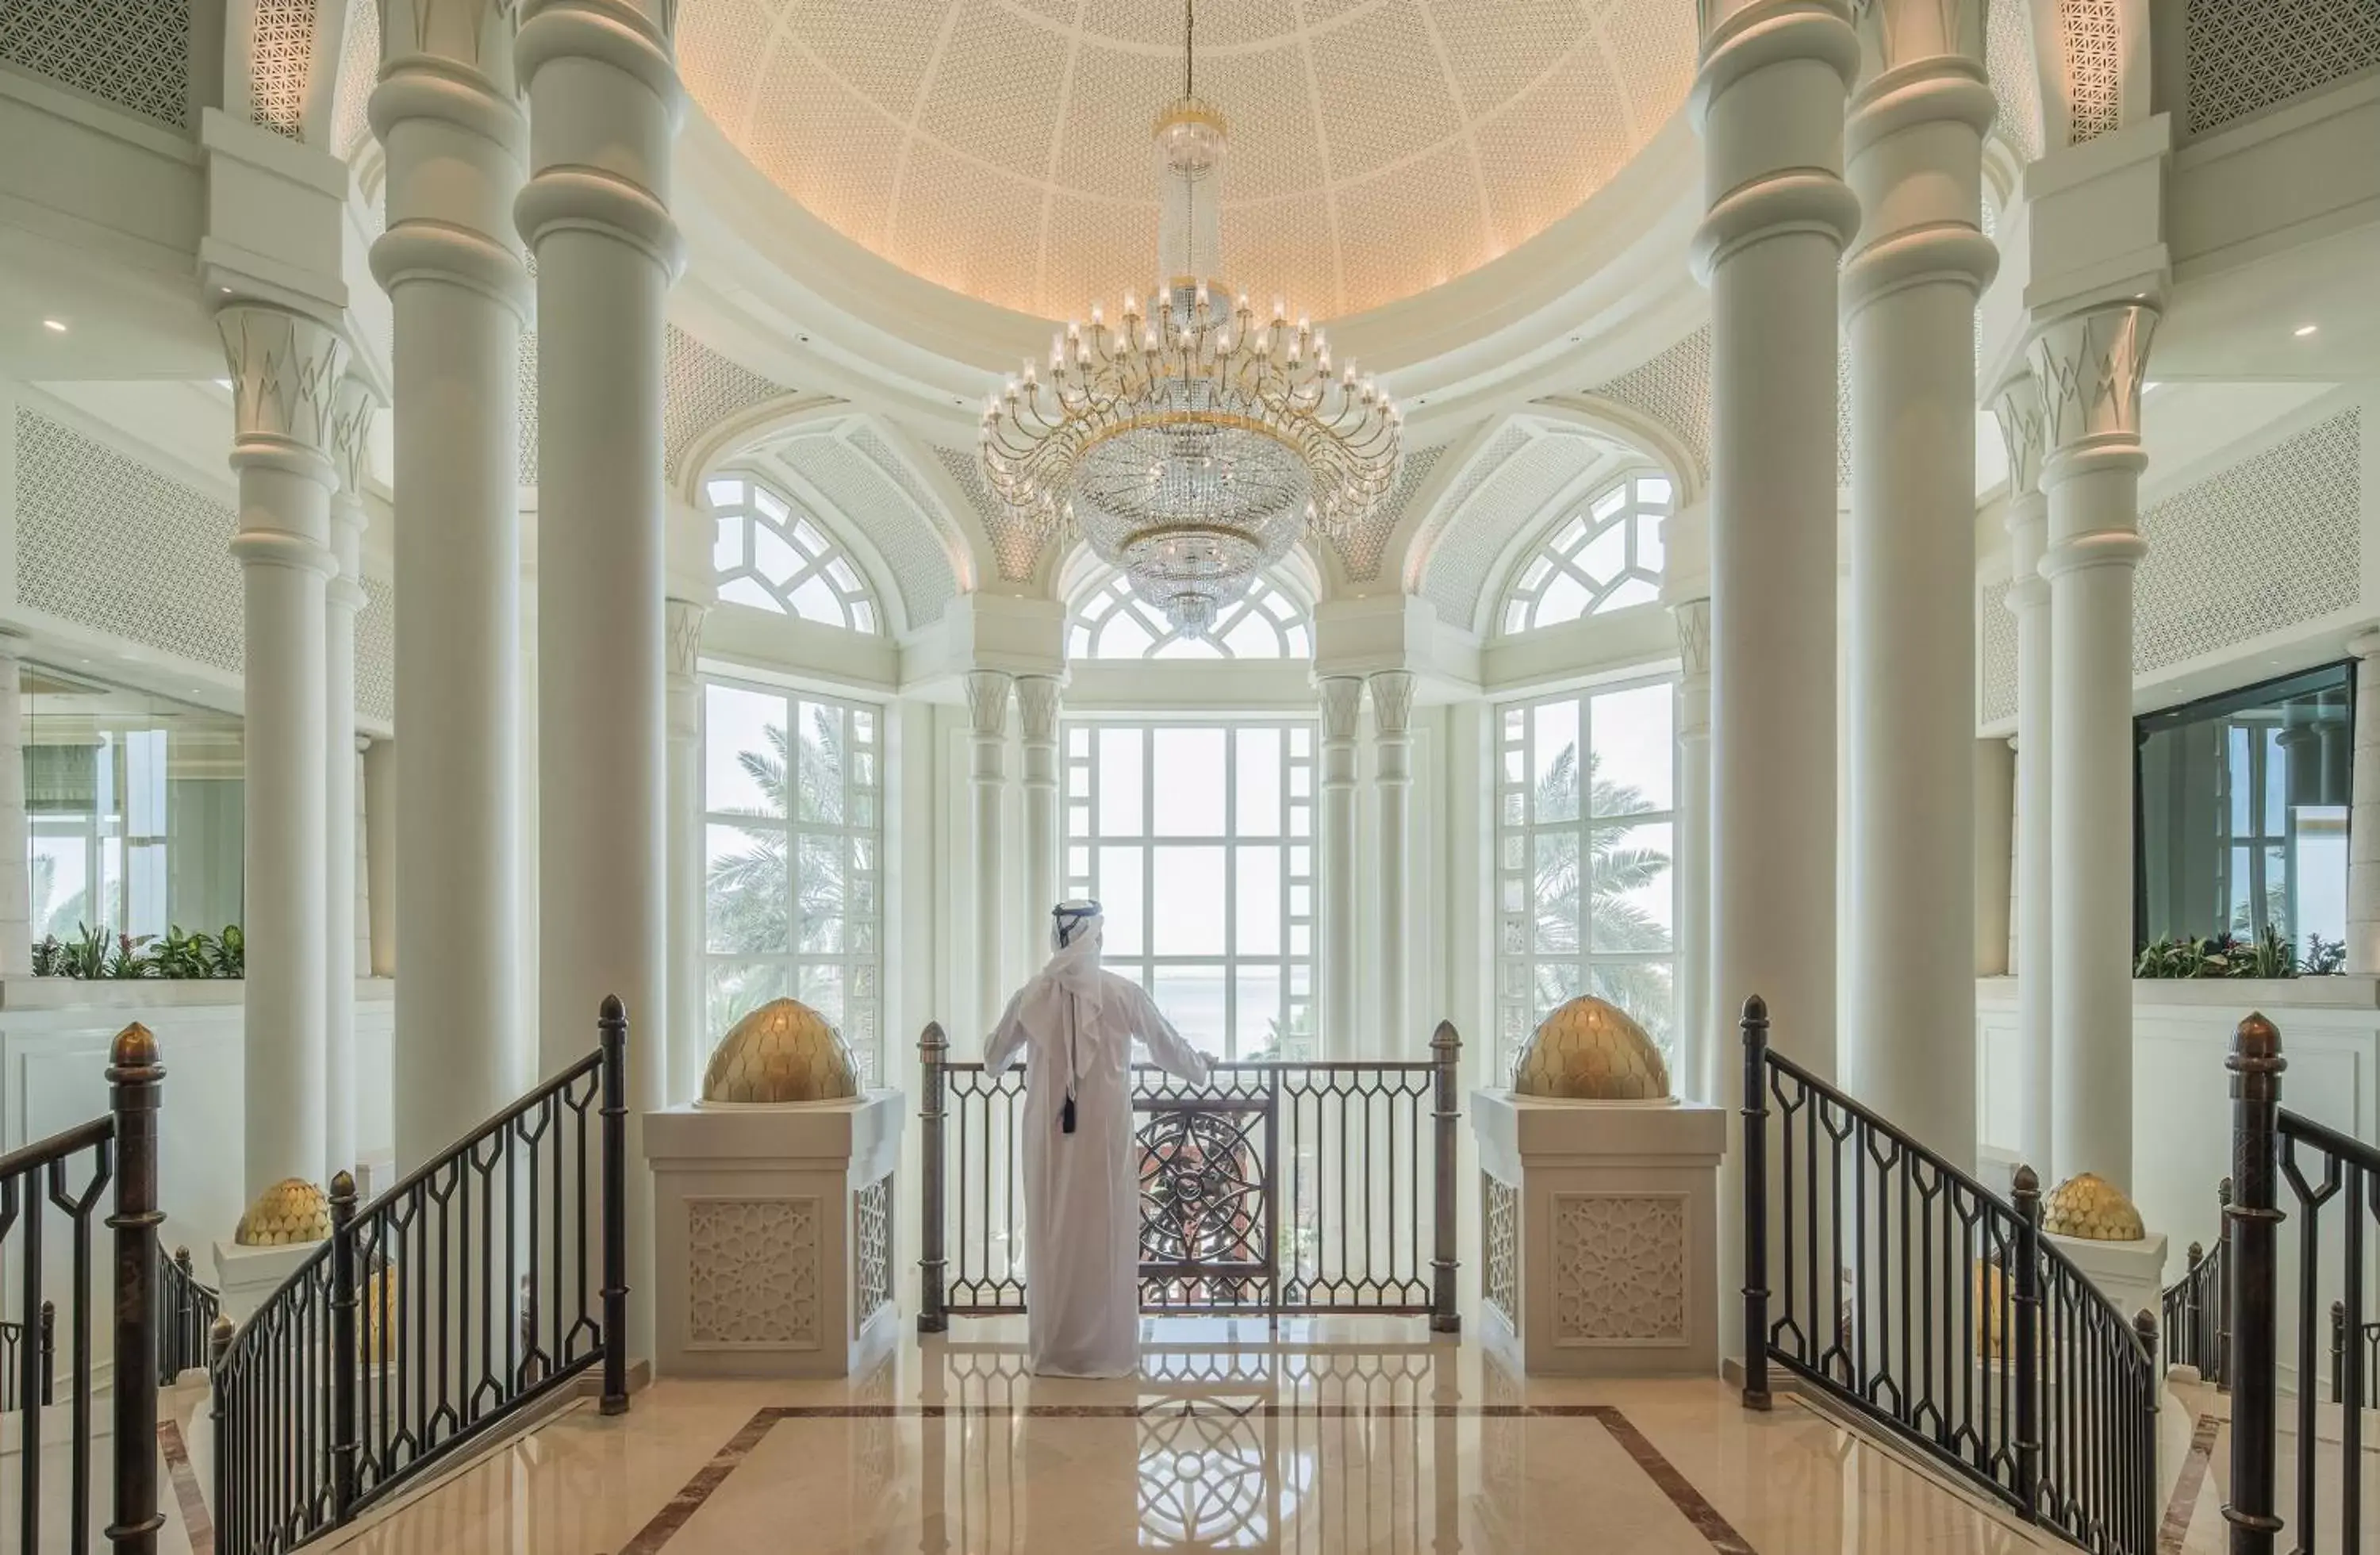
(132, 54)
(2244, 55)
(1996, 654)
(2094, 33)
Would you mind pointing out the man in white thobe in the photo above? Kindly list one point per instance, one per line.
(1076, 1024)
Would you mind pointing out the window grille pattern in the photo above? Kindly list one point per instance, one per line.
(768, 554)
(2016, 80)
(2243, 58)
(1111, 621)
(281, 65)
(1215, 822)
(1605, 555)
(1585, 829)
(2095, 67)
(1673, 391)
(794, 895)
(134, 54)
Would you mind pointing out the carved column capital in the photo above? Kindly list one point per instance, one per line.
(287, 369)
(1037, 698)
(1693, 617)
(1392, 700)
(2017, 406)
(682, 631)
(354, 407)
(2090, 367)
(986, 694)
(1342, 696)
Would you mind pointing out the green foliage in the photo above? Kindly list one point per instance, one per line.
(2266, 954)
(751, 907)
(1611, 874)
(95, 954)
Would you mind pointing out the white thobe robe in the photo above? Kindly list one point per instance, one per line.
(1082, 1190)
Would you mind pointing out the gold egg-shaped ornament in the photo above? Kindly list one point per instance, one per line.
(783, 1051)
(1590, 1049)
(291, 1210)
(2092, 1208)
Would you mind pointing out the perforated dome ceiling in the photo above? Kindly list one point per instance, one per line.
(1001, 147)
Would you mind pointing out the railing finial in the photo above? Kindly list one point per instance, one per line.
(2025, 1185)
(2144, 1324)
(1756, 1009)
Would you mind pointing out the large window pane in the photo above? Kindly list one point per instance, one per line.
(1634, 750)
(744, 751)
(1189, 883)
(1257, 771)
(1190, 782)
(1257, 890)
(1124, 878)
(1120, 781)
(1193, 999)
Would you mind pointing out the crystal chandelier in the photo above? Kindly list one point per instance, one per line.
(1193, 443)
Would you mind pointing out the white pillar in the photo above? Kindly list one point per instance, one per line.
(356, 408)
(1705, 1072)
(363, 939)
(689, 1041)
(1342, 701)
(284, 368)
(2090, 367)
(1393, 698)
(16, 843)
(987, 694)
(1038, 698)
(2017, 406)
(2363, 818)
(1995, 853)
(1914, 154)
(453, 136)
(1769, 102)
(380, 854)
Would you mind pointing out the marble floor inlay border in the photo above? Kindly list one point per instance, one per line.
(2175, 1529)
(197, 1521)
(1690, 1503)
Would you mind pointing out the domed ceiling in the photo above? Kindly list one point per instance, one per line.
(1001, 147)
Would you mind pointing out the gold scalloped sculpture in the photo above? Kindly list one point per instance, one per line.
(1590, 1051)
(291, 1210)
(783, 1051)
(2092, 1208)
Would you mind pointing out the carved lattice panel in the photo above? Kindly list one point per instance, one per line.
(2093, 33)
(1618, 1269)
(134, 54)
(1500, 1253)
(2244, 57)
(752, 1274)
(1995, 653)
(871, 1242)
(281, 65)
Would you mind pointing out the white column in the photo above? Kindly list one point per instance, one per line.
(284, 368)
(356, 409)
(16, 843)
(446, 114)
(2363, 818)
(689, 1041)
(1393, 698)
(987, 694)
(379, 852)
(1038, 698)
(1994, 848)
(2017, 406)
(362, 855)
(1705, 1070)
(1342, 702)
(1769, 102)
(1914, 154)
(2090, 367)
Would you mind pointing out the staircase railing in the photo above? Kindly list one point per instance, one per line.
(186, 1315)
(449, 1303)
(2197, 1307)
(41, 1365)
(61, 1184)
(1894, 1283)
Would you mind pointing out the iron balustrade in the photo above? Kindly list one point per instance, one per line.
(2197, 1307)
(186, 1314)
(2366, 1339)
(1275, 1189)
(99, 1174)
(1909, 1293)
(461, 1297)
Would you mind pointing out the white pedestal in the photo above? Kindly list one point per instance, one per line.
(1599, 1234)
(245, 1276)
(774, 1236)
(2129, 1274)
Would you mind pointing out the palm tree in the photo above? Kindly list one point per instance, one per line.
(1614, 871)
(749, 908)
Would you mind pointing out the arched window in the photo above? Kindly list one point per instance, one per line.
(768, 554)
(1604, 557)
(1111, 621)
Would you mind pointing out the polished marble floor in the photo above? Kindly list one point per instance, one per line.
(1334, 1436)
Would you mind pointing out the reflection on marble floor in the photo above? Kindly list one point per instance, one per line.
(1340, 1437)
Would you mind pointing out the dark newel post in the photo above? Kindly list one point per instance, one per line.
(1755, 1203)
(343, 1347)
(2223, 1293)
(229, 1525)
(932, 1291)
(1446, 1049)
(2024, 1345)
(133, 1078)
(2255, 1065)
(2143, 1475)
(614, 1024)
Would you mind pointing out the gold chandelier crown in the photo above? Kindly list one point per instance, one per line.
(1195, 443)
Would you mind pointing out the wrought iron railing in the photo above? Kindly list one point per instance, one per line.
(459, 1297)
(2366, 1339)
(1891, 1281)
(187, 1311)
(1274, 1189)
(101, 1173)
(2197, 1307)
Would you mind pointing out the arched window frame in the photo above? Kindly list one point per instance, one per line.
(821, 582)
(1557, 573)
(1273, 622)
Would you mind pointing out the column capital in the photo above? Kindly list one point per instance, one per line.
(2089, 366)
(1693, 617)
(2016, 405)
(1342, 696)
(1392, 700)
(1038, 698)
(620, 186)
(286, 369)
(682, 633)
(986, 694)
(448, 63)
(353, 406)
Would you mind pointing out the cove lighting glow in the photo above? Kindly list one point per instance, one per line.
(2304, 329)
(56, 326)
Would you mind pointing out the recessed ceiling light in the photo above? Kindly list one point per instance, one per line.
(224, 384)
(2304, 329)
(56, 326)
(2151, 388)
